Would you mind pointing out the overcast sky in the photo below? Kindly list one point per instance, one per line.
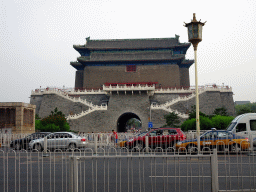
(37, 38)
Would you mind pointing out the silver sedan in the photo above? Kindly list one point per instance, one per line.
(59, 140)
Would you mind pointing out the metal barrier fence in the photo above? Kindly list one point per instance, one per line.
(124, 170)
(222, 141)
(97, 163)
(102, 138)
(5, 139)
(143, 173)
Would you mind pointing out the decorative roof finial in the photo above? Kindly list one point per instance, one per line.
(177, 37)
(87, 39)
(194, 18)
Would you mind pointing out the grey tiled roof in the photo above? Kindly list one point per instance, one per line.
(140, 55)
(133, 43)
(241, 102)
(187, 61)
(77, 65)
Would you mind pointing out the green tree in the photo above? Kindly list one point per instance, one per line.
(38, 125)
(172, 120)
(246, 108)
(51, 128)
(190, 124)
(220, 111)
(221, 122)
(56, 121)
(37, 117)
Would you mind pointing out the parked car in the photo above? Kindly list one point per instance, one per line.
(24, 142)
(123, 143)
(220, 139)
(59, 140)
(161, 137)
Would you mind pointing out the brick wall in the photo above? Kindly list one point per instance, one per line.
(166, 75)
(184, 77)
(79, 79)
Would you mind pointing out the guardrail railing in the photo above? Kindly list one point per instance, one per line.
(104, 165)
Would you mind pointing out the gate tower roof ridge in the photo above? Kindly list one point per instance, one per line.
(146, 43)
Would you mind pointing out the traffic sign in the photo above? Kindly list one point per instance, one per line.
(150, 124)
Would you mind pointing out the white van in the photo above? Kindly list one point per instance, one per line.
(244, 125)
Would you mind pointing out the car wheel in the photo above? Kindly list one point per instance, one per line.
(17, 146)
(234, 148)
(139, 146)
(72, 146)
(191, 149)
(38, 147)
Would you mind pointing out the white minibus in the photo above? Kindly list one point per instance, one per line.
(244, 125)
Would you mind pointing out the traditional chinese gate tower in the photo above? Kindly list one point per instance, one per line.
(117, 80)
(132, 61)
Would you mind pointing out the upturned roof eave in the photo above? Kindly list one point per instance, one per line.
(84, 47)
(80, 59)
(186, 63)
(77, 65)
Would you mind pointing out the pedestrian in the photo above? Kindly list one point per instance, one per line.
(115, 137)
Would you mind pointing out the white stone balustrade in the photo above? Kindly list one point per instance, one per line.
(192, 89)
(90, 110)
(129, 88)
(72, 91)
(69, 91)
(168, 109)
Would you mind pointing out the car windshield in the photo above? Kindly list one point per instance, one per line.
(29, 136)
(74, 134)
(206, 133)
(231, 126)
(182, 132)
(142, 134)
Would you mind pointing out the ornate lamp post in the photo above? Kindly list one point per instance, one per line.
(195, 36)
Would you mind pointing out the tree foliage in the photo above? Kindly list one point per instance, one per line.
(37, 117)
(245, 108)
(190, 124)
(172, 120)
(221, 122)
(220, 111)
(56, 121)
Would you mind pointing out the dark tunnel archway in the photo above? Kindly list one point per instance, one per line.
(122, 120)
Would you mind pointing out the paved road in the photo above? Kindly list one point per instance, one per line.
(32, 172)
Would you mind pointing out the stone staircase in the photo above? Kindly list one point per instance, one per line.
(167, 106)
(65, 95)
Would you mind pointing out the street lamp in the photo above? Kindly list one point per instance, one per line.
(195, 36)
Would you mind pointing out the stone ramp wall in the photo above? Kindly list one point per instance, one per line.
(130, 103)
(51, 101)
(208, 102)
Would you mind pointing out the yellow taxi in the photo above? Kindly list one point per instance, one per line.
(219, 139)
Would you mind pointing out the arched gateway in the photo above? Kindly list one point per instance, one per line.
(123, 119)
